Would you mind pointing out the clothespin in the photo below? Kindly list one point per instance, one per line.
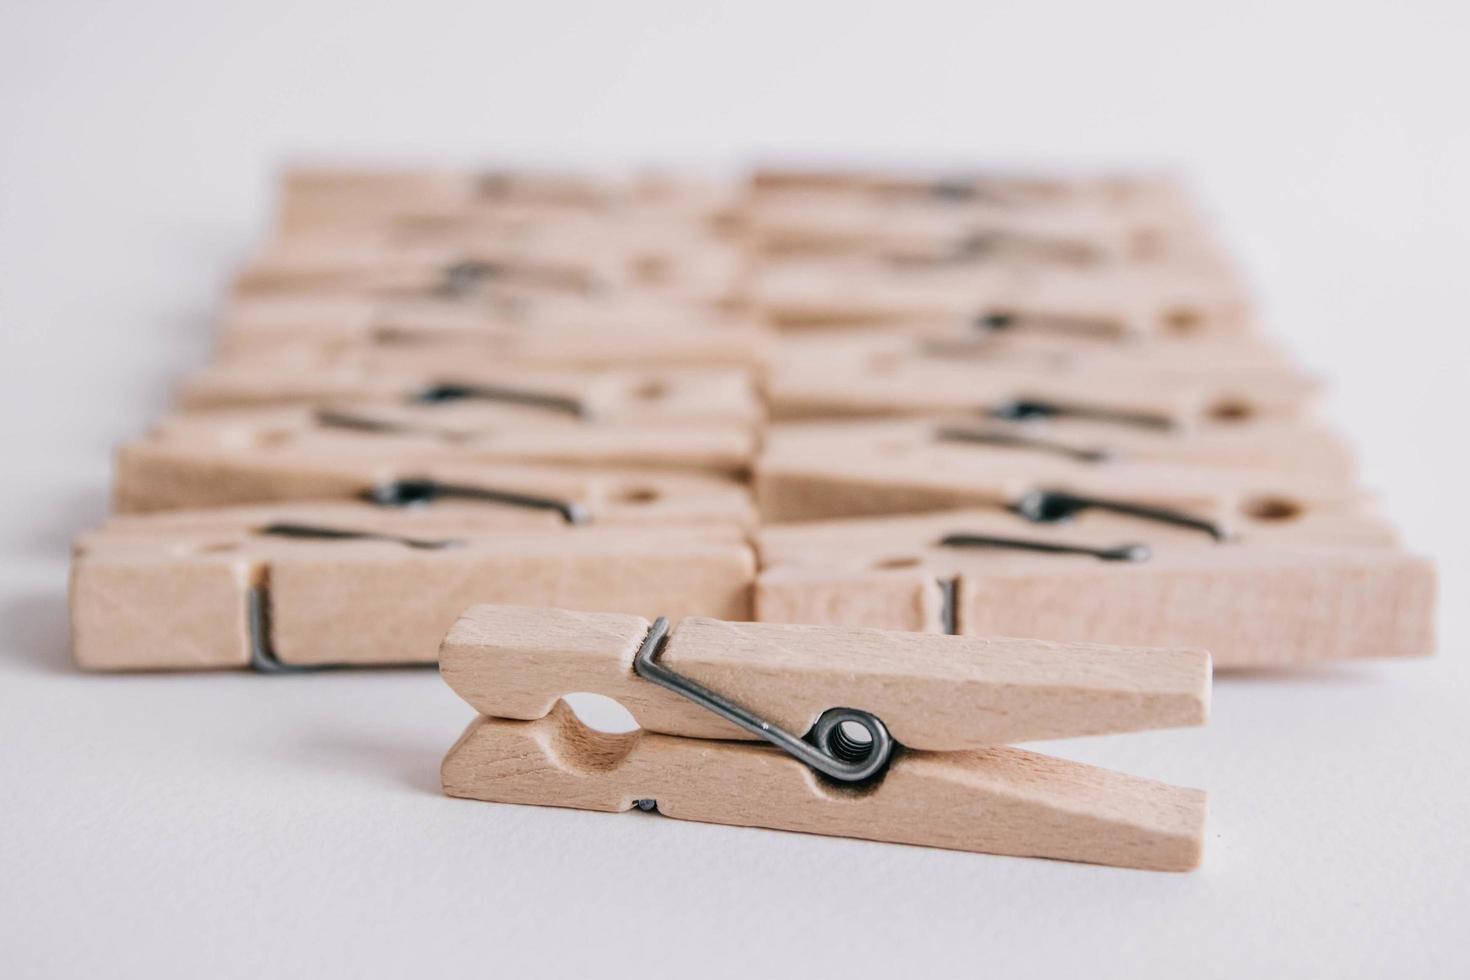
(256, 455)
(874, 373)
(1330, 586)
(686, 397)
(314, 197)
(268, 456)
(1118, 302)
(810, 471)
(979, 216)
(465, 264)
(293, 587)
(559, 331)
(879, 735)
(1138, 192)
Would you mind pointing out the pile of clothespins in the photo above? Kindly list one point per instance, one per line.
(849, 427)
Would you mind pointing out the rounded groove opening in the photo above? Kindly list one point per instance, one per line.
(1183, 320)
(274, 438)
(1231, 410)
(638, 495)
(217, 547)
(652, 269)
(600, 713)
(651, 390)
(1272, 509)
(906, 561)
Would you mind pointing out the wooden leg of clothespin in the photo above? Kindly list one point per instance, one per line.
(996, 801)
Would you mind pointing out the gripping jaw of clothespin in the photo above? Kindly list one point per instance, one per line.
(710, 694)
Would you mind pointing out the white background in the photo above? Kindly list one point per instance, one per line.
(250, 826)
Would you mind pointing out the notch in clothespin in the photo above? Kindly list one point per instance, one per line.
(1290, 589)
(879, 735)
(616, 333)
(257, 455)
(294, 587)
(816, 470)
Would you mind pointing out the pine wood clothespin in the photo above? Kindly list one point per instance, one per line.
(810, 471)
(619, 331)
(213, 463)
(313, 198)
(258, 455)
(1333, 586)
(302, 586)
(899, 376)
(689, 266)
(907, 736)
(684, 396)
(1136, 302)
(905, 234)
(1090, 438)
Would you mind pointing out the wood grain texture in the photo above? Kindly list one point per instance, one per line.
(998, 801)
(933, 692)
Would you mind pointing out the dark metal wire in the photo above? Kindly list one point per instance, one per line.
(316, 532)
(827, 748)
(1122, 552)
(413, 491)
(1059, 506)
(990, 436)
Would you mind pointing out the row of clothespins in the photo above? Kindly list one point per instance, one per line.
(994, 406)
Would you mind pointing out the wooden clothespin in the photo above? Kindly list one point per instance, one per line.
(1329, 586)
(906, 735)
(313, 198)
(1117, 220)
(873, 373)
(257, 455)
(1137, 192)
(279, 455)
(619, 331)
(1119, 302)
(693, 266)
(810, 471)
(1094, 445)
(684, 396)
(301, 586)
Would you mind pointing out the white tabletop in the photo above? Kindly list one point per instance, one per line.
(242, 825)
